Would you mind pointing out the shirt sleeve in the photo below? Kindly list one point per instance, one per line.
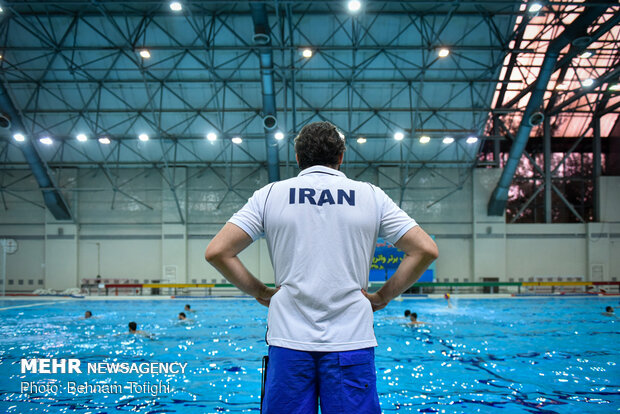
(250, 217)
(394, 222)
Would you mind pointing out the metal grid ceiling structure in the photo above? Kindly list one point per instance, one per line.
(75, 67)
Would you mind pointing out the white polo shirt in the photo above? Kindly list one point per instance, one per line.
(321, 230)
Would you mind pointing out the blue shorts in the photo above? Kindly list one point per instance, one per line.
(343, 382)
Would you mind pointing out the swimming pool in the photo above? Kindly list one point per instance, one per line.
(492, 355)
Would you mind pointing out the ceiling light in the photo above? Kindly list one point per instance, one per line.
(443, 52)
(586, 54)
(82, 137)
(354, 5)
(19, 137)
(145, 54)
(361, 140)
(1, 10)
(587, 82)
(176, 6)
(143, 137)
(535, 7)
(614, 87)
(398, 136)
(46, 141)
(562, 86)
(448, 140)
(279, 136)
(104, 140)
(472, 140)
(307, 53)
(424, 139)
(211, 136)
(237, 140)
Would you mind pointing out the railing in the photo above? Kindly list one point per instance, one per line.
(452, 286)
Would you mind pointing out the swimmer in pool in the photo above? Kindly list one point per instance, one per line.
(188, 308)
(609, 311)
(182, 316)
(88, 315)
(413, 320)
(133, 330)
(407, 313)
(447, 296)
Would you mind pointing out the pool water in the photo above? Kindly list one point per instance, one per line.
(494, 355)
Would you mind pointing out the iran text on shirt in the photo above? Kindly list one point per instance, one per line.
(303, 195)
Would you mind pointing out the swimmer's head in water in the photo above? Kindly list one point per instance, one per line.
(182, 316)
(407, 313)
(133, 326)
(447, 296)
(187, 307)
(413, 316)
(87, 314)
(609, 309)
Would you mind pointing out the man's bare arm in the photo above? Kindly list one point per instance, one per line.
(222, 254)
(420, 251)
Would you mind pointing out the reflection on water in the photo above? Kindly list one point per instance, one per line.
(508, 356)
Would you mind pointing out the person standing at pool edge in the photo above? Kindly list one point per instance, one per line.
(321, 230)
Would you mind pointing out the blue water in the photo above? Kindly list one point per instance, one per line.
(488, 356)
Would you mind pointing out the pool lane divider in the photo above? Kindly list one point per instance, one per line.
(33, 304)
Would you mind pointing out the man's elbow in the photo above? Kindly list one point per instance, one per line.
(431, 252)
(213, 254)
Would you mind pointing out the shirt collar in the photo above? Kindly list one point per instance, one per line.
(321, 169)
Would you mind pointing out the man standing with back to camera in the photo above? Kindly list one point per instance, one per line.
(321, 230)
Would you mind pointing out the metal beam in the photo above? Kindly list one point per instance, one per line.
(596, 167)
(547, 161)
(497, 202)
(568, 57)
(262, 37)
(53, 198)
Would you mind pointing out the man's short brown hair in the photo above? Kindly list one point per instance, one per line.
(319, 143)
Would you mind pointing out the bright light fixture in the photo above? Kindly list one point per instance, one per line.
(307, 53)
(104, 140)
(176, 6)
(46, 141)
(535, 7)
(472, 140)
(587, 82)
(278, 135)
(361, 140)
(354, 5)
(145, 54)
(211, 136)
(443, 52)
(1, 10)
(448, 140)
(424, 139)
(82, 137)
(614, 87)
(237, 140)
(143, 137)
(19, 137)
(398, 136)
(586, 54)
(562, 86)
